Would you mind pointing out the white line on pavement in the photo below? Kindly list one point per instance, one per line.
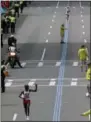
(58, 64)
(82, 20)
(15, 116)
(73, 83)
(44, 79)
(75, 63)
(50, 26)
(82, 26)
(43, 54)
(46, 40)
(85, 40)
(40, 64)
(8, 84)
(22, 85)
(81, 15)
(52, 20)
(31, 83)
(54, 16)
(52, 83)
(49, 33)
(83, 33)
(55, 12)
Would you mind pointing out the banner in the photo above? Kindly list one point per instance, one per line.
(5, 4)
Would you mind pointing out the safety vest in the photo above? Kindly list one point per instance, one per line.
(12, 19)
(88, 74)
(16, 5)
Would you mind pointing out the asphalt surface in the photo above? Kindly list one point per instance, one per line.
(41, 52)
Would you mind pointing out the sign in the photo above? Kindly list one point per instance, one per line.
(5, 4)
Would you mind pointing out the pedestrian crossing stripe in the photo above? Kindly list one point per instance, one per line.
(52, 83)
(87, 113)
(8, 84)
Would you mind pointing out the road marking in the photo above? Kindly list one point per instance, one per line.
(58, 64)
(47, 41)
(33, 80)
(8, 84)
(74, 79)
(83, 33)
(22, 85)
(40, 64)
(42, 58)
(50, 26)
(52, 20)
(49, 33)
(54, 16)
(55, 12)
(74, 7)
(10, 80)
(15, 116)
(81, 15)
(82, 26)
(73, 83)
(56, 6)
(23, 64)
(75, 63)
(52, 83)
(45, 79)
(82, 20)
(31, 83)
(85, 40)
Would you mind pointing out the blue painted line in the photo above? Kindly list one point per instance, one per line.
(58, 101)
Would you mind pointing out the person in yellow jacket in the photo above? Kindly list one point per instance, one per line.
(87, 113)
(88, 77)
(62, 29)
(83, 56)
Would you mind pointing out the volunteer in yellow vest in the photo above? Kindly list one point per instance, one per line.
(87, 113)
(21, 6)
(83, 56)
(12, 21)
(62, 29)
(88, 77)
(16, 6)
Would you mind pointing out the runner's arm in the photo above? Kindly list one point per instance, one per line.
(21, 94)
(34, 90)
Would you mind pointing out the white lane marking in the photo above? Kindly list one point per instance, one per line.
(50, 26)
(85, 40)
(54, 16)
(43, 54)
(46, 79)
(73, 83)
(10, 80)
(23, 64)
(46, 40)
(17, 86)
(81, 15)
(40, 64)
(58, 64)
(8, 84)
(75, 63)
(31, 83)
(52, 83)
(15, 116)
(82, 20)
(55, 12)
(82, 26)
(49, 33)
(83, 33)
(33, 80)
(74, 79)
(52, 20)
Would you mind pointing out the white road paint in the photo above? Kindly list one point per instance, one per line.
(46, 40)
(54, 16)
(52, 83)
(23, 64)
(75, 63)
(58, 64)
(10, 80)
(50, 26)
(82, 20)
(85, 40)
(49, 33)
(73, 83)
(15, 116)
(74, 79)
(57, 4)
(33, 80)
(83, 33)
(18, 86)
(81, 15)
(52, 20)
(8, 84)
(82, 26)
(45, 79)
(55, 12)
(43, 54)
(31, 83)
(40, 64)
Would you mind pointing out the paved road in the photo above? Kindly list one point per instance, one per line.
(41, 51)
